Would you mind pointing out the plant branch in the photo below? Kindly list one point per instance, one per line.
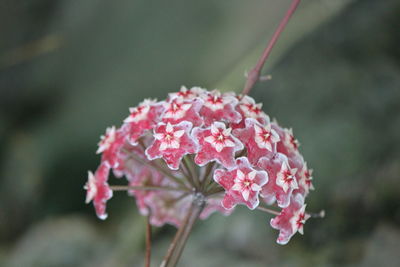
(254, 74)
(146, 188)
(267, 210)
(178, 243)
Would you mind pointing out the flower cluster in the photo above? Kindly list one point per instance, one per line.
(221, 145)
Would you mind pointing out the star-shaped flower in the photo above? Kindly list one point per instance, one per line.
(249, 109)
(242, 184)
(171, 143)
(98, 190)
(286, 177)
(179, 109)
(142, 118)
(110, 146)
(216, 144)
(218, 107)
(305, 181)
(291, 219)
(282, 179)
(288, 144)
(260, 140)
(188, 94)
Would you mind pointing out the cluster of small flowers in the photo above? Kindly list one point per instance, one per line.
(238, 155)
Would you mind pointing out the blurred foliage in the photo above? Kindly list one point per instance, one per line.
(69, 69)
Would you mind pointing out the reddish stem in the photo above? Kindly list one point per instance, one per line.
(254, 75)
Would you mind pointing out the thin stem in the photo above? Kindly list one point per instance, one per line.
(187, 174)
(147, 259)
(267, 210)
(254, 75)
(189, 166)
(178, 243)
(146, 188)
(207, 175)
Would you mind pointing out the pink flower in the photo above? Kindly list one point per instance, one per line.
(233, 155)
(98, 191)
(249, 109)
(291, 219)
(305, 180)
(282, 180)
(242, 185)
(188, 94)
(260, 140)
(178, 110)
(289, 143)
(142, 118)
(110, 145)
(216, 144)
(219, 107)
(171, 143)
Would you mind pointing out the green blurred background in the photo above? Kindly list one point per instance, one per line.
(69, 69)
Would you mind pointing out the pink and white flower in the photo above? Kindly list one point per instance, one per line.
(281, 182)
(291, 219)
(218, 107)
(171, 143)
(216, 144)
(242, 184)
(233, 155)
(98, 190)
(260, 140)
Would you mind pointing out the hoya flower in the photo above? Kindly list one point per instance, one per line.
(282, 180)
(218, 150)
(141, 119)
(216, 144)
(219, 107)
(260, 140)
(171, 143)
(178, 109)
(98, 190)
(291, 219)
(242, 184)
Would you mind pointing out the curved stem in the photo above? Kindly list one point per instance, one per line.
(177, 245)
(254, 75)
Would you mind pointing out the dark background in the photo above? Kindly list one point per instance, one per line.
(69, 69)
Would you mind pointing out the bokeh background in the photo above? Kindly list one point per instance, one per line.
(69, 69)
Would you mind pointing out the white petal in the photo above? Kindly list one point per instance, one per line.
(163, 146)
(159, 136)
(229, 143)
(219, 147)
(246, 194)
(178, 134)
(237, 187)
(227, 132)
(214, 129)
(255, 187)
(186, 107)
(257, 129)
(252, 175)
(210, 139)
(240, 175)
(169, 128)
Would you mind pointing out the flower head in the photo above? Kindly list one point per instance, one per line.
(220, 147)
